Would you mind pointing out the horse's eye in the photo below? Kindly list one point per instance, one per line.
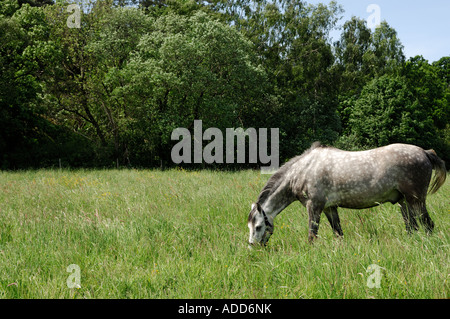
(258, 228)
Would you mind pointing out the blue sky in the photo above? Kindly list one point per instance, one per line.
(423, 27)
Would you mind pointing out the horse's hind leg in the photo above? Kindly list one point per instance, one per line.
(415, 194)
(408, 216)
(425, 218)
(416, 208)
(333, 218)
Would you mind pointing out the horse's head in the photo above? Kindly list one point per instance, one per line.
(260, 226)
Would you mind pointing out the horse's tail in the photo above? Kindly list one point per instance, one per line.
(440, 171)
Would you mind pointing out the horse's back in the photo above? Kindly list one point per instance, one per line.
(399, 157)
(364, 178)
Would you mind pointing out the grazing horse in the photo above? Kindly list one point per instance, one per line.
(324, 178)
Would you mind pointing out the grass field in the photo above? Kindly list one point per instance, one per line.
(179, 234)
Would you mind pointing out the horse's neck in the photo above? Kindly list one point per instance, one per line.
(278, 200)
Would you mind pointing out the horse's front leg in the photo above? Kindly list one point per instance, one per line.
(314, 210)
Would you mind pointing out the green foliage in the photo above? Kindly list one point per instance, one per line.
(136, 70)
(8, 7)
(352, 52)
(386, 112)
(187, 69)
(19, 115)
(429, 86)
(292, 42)
(443, 69)
(361, 56)
(387, 50)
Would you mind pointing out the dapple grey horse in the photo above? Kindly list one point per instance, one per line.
(325, 178)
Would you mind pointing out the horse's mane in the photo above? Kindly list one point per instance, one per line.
(276, 179)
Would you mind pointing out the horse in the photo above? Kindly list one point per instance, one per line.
(324, 178)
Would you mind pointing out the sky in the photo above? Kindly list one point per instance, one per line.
(423, 27)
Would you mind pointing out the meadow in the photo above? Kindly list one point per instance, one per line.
(183, 234)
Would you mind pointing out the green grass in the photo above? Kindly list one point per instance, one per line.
(178, 234)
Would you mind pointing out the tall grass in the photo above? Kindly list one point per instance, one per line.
(179, 234)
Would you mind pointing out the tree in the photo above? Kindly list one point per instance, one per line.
(19, 115)
(443, 69)
(291, 39)
(351, 56)
(306, 81)
(188, 68)
(28, 138)
(361, 56)
(117, 36)
(77, 78)
(387, 50)
(387, 112)
(68, 73)
(429, 87)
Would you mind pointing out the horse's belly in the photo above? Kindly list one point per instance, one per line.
(361, 198)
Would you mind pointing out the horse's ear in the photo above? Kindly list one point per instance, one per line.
(253, 206)
(258, 207)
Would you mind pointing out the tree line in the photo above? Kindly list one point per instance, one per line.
(112, 91)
